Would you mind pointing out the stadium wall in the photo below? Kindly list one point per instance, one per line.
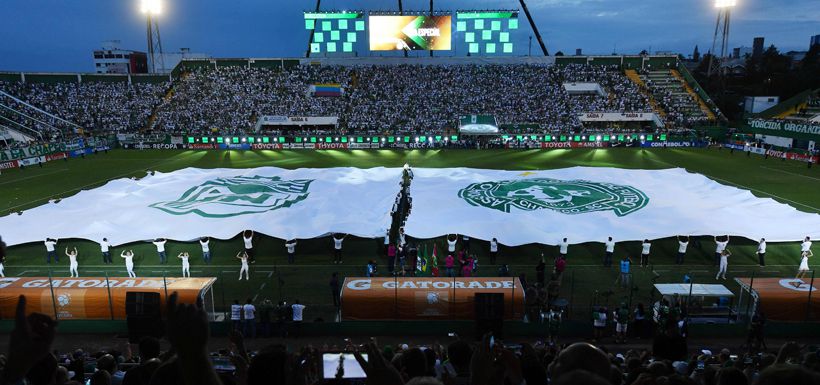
(51, 78)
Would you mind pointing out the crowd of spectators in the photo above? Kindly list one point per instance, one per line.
(94, 106)
(376, 99)
(667, 360)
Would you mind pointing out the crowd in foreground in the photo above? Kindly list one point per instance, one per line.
(668, 360)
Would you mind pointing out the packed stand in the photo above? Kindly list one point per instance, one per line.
(95, 106)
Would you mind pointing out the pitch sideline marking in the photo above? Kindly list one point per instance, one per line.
(789, 172)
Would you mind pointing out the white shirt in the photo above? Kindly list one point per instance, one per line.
(721, 246)
(72, 259)
(402, 240)
(205, 247)
(646, 246)
(185, 261)
(761, 247)
(610, 246)
(465, 238)
(493, 246)
(244, 262)
(160, 246)
(387, 238)
(682, 247)
(337, 243)
(104, 246)
(564, 247)
(250, 311)
(297, 311)
(451, 245)
(50, 245)
(236, 312)
(129, 259)
(291, 247)
(248, 242)
(805, 246)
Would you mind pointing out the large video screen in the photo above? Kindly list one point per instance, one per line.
(419, 32)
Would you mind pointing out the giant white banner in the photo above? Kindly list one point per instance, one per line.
(590, 204)
(190, 203)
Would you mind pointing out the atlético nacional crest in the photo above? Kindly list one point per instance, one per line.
(563, 196)
(227, 197)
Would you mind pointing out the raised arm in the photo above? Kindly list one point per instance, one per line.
(122, 254)
(75, 251)
(180, 255)
(66, 251)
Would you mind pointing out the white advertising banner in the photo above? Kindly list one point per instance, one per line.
(191, 203)
(590, 204)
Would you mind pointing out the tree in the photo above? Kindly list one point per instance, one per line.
(696, 54)
(559, 53)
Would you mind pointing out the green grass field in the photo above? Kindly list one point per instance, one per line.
(788, 182)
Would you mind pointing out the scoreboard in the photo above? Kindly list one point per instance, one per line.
(477, 32)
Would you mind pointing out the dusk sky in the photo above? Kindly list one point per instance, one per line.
(59, 35)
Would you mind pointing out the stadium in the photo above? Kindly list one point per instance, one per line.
(482, 215)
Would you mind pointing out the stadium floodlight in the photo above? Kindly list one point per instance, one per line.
(244, 139)
(598, 138)
(584, 137)
(336, 139)
(643, 137)
(725, 3)
(153, 7)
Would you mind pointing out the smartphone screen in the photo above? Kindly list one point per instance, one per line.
(352, 369)
(223, 364)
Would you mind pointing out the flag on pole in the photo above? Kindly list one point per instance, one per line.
(434, 263)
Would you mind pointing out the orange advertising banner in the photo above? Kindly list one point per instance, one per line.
(785, 299)
(426, 297)
(87, 297)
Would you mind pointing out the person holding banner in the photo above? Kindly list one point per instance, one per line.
(610, 250)
(683, 243)
(452, 239)
(186, 266)
(72, 262)
(724, 263)
(761, 252)
(243, 257)
(646, 246)
(493, 250)
(247, 237)
(129, 262)
(206, 249)
(105, 249)
(719, 247)
(563, 247)
(51, 251)
(291, 246)
(160, 244)
(804, 264)
(337, 247)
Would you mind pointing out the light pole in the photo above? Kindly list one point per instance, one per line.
(724, 8)
(152, 8)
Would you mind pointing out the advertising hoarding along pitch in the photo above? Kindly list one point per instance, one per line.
(418, 32)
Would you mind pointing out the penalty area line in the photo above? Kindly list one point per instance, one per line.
(789, 172)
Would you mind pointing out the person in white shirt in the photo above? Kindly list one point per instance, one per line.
(563, 247)
(236, 315)
(72, 262)
(291, 246)
(205, 242)
(645, 247)
(243, 257)
(386, 240)
(249, 311)
(105, 248)
(452, 239)
(298, 313)
(724, 263)
(160, 244)
(186, 266)
(610, 250)
(493, 250)
(247, 237)
(806, 245)
(337, 247)
(402, 237)
(51, 250)
(761, 252)
(719, 247)
(129, 262)
(683, 243)
(2, 257)
(804, 264)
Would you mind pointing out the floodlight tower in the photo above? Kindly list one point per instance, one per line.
(724, 8)
(151, 9)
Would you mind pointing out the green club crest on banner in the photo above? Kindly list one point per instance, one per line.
(563, 196)
(228, 197)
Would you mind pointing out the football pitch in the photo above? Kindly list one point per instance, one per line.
(271, 277)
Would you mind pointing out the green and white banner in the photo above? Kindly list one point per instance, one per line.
(590, 204)
(191, 203)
